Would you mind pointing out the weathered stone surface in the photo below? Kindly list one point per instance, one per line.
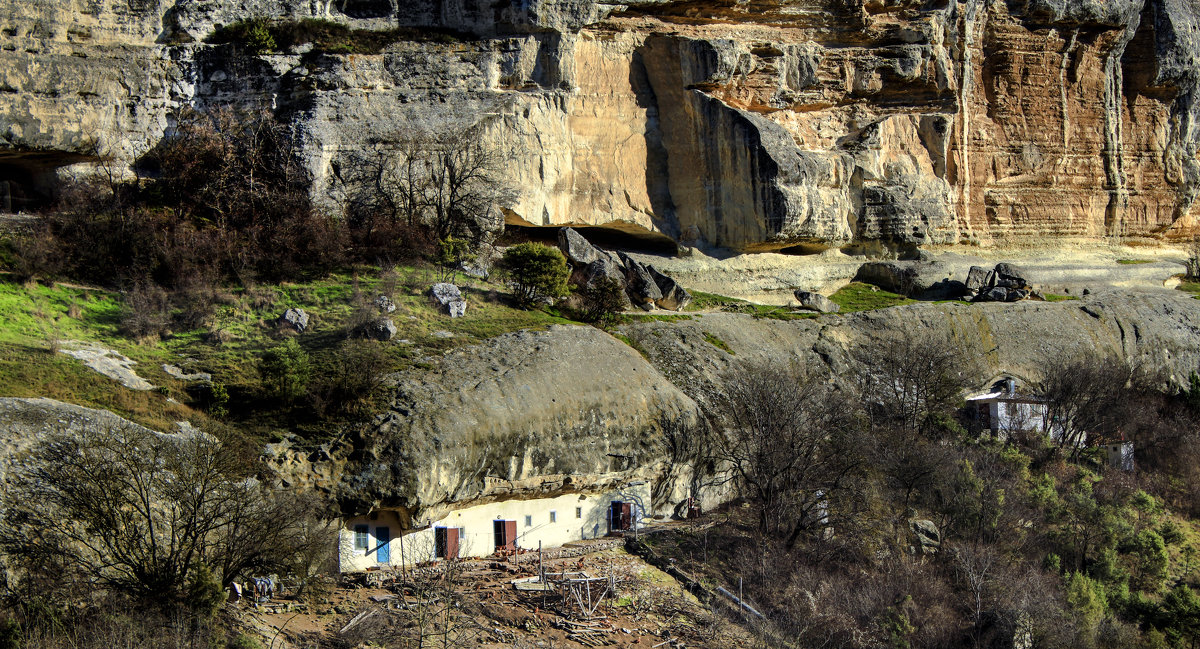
(505, 395)
(994, 294)
(177, 372)
(450, 298)
(108, 362)
(385, 304)
(382, 329)
(639, 283)
(925, 536)
(816, 302)
(1010, 276)
(978, 278)
(1011, 338)
(497, 412)
(295, 318)
(577, 250)
(674, 297)
(749, 126)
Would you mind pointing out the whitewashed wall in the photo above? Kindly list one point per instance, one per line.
(577, 517)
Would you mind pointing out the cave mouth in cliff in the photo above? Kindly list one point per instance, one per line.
(804, 249)
(608, 238)
(29, 181)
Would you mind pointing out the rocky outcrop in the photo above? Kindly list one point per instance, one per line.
(1159, 330)
(816, 302)
(573, 409)
(499, 420)
(294, 318)
(643, 285)
(749, 126)
(449, 297)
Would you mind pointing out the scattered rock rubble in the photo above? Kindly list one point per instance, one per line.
(645, 286)
(450, 298)
(295, 318)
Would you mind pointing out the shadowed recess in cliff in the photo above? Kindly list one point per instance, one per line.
(29, 180)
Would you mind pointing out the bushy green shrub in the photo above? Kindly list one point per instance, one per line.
(243, 641)
(601, 300)
(537, 272)
(258, 39)
(285, 371)
(1087, 597)
(204, 592)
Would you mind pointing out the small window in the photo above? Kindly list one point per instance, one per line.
(578, 512)
(553, 516)
(529, 521)
(361, 537)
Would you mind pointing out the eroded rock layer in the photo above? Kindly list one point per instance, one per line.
(750, 125)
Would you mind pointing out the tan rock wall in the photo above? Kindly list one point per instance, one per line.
(750, 126)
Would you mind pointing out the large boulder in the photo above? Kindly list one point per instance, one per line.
(909, 278)
(382, 329)
(450, 298)
(925, 536)
(606, 268)
(979, 278)
(576, 249)
(674, 297)
(816, 302)
(994, 294)
(444, 293)
(295, 318)
(639, 283)
(1011, 276)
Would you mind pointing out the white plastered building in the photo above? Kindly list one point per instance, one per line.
(378, 540)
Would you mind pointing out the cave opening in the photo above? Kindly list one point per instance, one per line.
(640, 241)
(29, 181)
(804, 249)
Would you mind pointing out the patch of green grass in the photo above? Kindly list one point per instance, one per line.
(1131, 262)
(35, 318)
(1190, 286)
(702, 301)
(857, 296)
(718, 343)
(263, 36)
(1054, 297)
(712, 302)
(657, 317)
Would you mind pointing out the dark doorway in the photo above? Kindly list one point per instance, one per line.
(620, 516)
(505, 533)
(445, 542)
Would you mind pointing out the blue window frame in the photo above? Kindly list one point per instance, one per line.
(362, 537)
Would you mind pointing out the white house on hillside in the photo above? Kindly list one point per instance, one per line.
(375, 540)
(1006, 413)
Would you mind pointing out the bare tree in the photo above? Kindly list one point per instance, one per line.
(138, 512)
(915, 382)
(1086, 395)
(448, 181)
(788, 444)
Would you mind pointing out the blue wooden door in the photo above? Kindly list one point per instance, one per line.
(382, 536)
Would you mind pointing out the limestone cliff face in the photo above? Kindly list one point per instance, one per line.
(748, 125)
